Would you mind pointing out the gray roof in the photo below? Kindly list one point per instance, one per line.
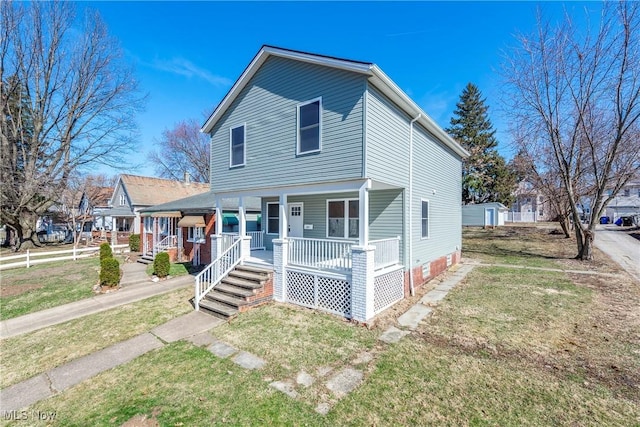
(204, 203)
(123, 211)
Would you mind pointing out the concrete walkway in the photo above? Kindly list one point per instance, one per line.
(135, 286)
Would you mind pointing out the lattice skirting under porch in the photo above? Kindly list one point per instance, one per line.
(318, 291)
(388, 289)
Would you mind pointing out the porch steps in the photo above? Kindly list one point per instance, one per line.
(146, 259)
(234, 293)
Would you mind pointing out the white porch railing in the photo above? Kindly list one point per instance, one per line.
(387, 252)
(213, 274)
(170, 241)
(320, 253)
(257, 239)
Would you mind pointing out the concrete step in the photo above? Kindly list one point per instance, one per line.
(254, 269)
(234, 290)
(224, 298)
(248, 275)
(241, 283)
(223, 311)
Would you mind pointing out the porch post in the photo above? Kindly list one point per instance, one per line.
(363, 215)
(280, 255)
(245, 244)
(218, 222)
(284, 219)
(154, 236)
(362, 283)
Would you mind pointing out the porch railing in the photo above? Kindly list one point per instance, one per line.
(213, 274)
(257, 239)
(387, 252)
(320, 253)
(170, 241)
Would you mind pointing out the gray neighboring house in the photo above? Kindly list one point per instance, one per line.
(360, 189)
(491, 214)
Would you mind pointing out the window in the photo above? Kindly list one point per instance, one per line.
(309, 126)
(148, 224)
(237, 144)
(195, 233)
(627, 192)
(424, 219)
(343, 219)
(123, 200)
(273, 218)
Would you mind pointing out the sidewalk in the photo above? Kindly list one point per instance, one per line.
(136, 286)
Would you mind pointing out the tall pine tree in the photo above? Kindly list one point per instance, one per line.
(485, 176)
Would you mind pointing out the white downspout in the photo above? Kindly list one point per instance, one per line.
(411, 285)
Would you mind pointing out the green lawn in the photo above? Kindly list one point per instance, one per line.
(26, 290)
(507, 347)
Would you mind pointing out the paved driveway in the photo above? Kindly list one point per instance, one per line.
(621, 247)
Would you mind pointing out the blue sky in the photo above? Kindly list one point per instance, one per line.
(188, 54)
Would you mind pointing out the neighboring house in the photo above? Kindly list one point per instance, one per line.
(133, 193)
(195, 216)
(92, 203)
(484, 214)
(360, 189)
(626, 202)
(530, 205)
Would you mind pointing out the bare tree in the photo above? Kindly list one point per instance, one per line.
(68, 102)
(183, 149)
(575, 100)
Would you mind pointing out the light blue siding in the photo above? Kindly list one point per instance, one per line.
(268, 104)
(385, 216)
(435, 167)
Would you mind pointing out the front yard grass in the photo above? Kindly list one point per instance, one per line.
(506, 347)
(26, 290)
(30, 354)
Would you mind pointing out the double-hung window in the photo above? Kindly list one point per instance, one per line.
(195, 234)
(237, 136)
(123, 200)
(424, 219)
(273, 218)
(310, 126)
(343, 218)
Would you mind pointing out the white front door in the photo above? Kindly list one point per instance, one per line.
(296, 223)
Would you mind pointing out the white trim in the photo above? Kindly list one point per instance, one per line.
(244, 145)
(298, 129)
(428, 236)
(266, 229)
(346, 218)
(298, 189)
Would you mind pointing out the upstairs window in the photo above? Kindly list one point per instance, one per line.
(309, 126)
(237, 144)
(123, 200)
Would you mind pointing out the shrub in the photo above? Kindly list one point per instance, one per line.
(134, 243)
(105, 251)
(109, 272)
(161, 264)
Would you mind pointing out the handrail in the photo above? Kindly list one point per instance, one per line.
(213, 274)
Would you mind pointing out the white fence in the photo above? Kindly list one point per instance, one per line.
(320, 253)
(522, 217)
(32, 258)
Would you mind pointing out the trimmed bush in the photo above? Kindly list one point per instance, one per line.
(134, 243)
(161, 265)
(109, 272)
(105, 251)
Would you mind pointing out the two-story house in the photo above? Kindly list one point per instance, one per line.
(360, 189)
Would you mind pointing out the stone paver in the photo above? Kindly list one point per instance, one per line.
(433, 297)
(203, 339)
(305, 379)
(364, 357)
(185, 326)
(345, 381)
(248, 361)
(222, 349)
(323, 408)
(392, 335)
(86, 367)
(25, 393)
(412, 317)
(285, 387)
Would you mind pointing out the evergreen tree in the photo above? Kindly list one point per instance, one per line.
(485, 175)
